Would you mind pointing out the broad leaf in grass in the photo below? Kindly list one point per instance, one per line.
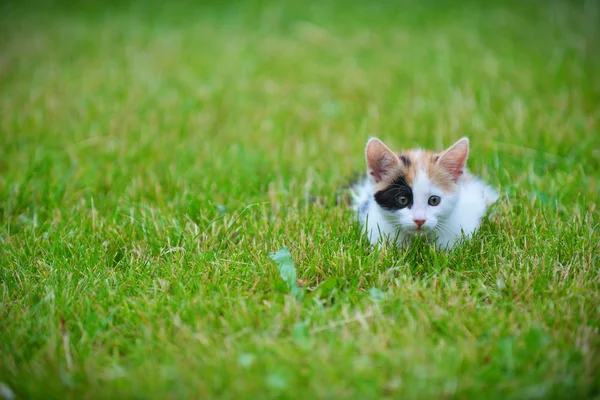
(287, 270)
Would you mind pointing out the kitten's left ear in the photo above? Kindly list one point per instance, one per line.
(381, 161)
(454, 158)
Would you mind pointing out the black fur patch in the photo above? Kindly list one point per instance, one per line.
(388, 198)
(405, 160)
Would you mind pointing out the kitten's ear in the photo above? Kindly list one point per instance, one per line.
(454, 158)
(380, 160)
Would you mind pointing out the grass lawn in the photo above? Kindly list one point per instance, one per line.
(153, 154)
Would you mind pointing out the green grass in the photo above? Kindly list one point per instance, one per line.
(152, 156)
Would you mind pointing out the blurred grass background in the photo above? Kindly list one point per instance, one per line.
(153, 154)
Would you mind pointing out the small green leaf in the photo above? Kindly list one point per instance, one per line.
(246, 359)
(301, 335)
(377, 295)
(326, 287)
(277, 380)
(287, 270)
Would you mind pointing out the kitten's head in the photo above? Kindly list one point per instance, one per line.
(416, 190)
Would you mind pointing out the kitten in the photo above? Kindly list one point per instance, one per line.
(418, 192)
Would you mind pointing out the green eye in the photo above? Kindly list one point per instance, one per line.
(403, 201)
(434, 200)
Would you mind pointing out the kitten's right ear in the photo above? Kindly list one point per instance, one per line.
(380, 160)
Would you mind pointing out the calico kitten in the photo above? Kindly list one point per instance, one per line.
(418, 192)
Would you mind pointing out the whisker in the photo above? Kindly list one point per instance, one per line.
(444, 228)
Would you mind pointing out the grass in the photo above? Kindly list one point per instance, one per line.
(153, 155)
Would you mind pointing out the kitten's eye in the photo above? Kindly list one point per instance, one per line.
(434, 200)
(403, 201)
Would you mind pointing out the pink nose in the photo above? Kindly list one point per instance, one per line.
(419, 222)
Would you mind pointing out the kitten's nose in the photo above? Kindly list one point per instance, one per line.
(419, 222)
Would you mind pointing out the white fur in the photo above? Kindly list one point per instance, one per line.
(457, 214)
